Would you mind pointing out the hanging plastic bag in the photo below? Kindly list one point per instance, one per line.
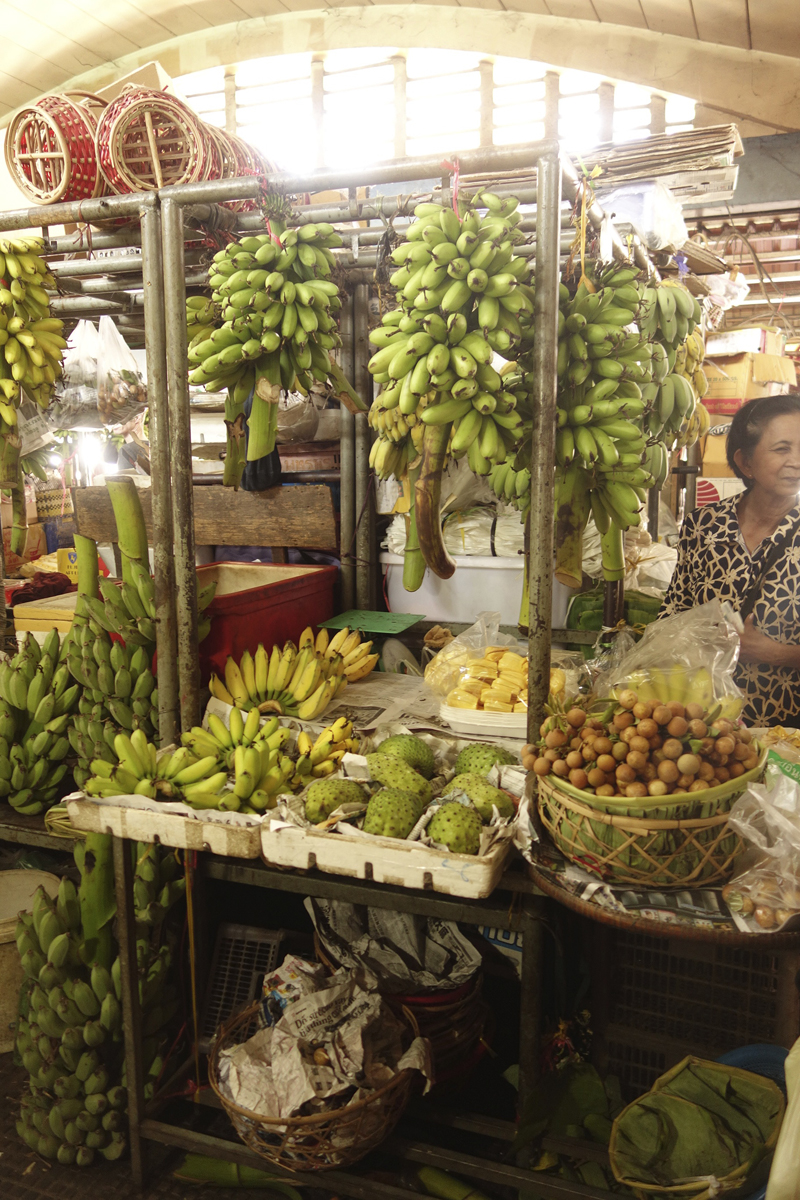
(689, 656)
(784, 1176)
(121, 391)
(75, 401)
(481, 656)
(765, 894)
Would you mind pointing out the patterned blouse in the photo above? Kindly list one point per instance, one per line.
(715, 564)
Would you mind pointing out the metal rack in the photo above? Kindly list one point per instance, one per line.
(158, 288)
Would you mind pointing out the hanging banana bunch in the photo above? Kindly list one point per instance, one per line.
(267, 327)
(31, 340)
(462, 298)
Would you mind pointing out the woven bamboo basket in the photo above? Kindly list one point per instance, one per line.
(322, 1142)
(662, 841)
(148, 140)
(50, 148)
(454, 1022)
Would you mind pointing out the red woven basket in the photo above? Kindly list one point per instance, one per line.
(147, 140)
(50, 148)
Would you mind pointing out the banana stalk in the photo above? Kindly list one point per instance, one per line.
(88, 570)
(235, 432)
(131, 532)
(97, 897)
(572, 513)
(19, 528)
(427, 500)
(343, 390)
(199, 1168)
(613, 552)
(413, 562)
(10, 443)
(262, 424)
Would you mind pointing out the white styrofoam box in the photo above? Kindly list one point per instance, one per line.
(385, 860)
(479, 584)
(168, 828)
(478, 723)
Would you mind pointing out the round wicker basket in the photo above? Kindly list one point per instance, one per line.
(326, 1140)
(50, 148)
(664, 841)
(148, 140)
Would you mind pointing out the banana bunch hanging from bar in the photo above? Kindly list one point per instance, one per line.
(268, 326)
(463, 298)
(31, 340)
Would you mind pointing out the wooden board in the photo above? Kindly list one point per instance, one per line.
(282, 516)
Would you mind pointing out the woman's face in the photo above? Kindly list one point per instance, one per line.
(774, 464)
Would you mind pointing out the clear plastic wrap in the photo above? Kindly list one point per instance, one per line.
(482, 660)
(121, 391)
(75, 401)
(690, 656)
(765, 894)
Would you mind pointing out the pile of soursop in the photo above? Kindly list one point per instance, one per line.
(403, 766)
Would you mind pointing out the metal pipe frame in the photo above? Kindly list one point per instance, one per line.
(364, 512)
(161, 486)
(347, 464)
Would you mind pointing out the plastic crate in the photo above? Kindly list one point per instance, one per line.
(665, 998)
(261, 602)
(243, 955)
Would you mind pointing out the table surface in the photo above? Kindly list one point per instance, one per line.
(29, 831)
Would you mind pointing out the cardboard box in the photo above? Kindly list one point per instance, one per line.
(756, 340)
(35, 547)
(710, 491)
(748, 377)
(712, 449)
(67, 563)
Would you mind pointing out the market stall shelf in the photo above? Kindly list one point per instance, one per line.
(152, 824)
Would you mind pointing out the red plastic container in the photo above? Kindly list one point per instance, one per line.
(261, 602)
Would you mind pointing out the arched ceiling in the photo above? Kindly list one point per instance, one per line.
(739, 59)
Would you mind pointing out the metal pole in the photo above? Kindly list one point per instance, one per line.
(605, 127)
(653, 503)
(318, 107)
(552, 91)
(530, 1033)
(362, 383)
(181, 457)
(658, 114)
(545, 349)
(693, 460)
(131, 1012)
(486, 68)
(400, 83)
(160, 490)
(347, 465)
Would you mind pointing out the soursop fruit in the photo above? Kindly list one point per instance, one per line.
(411, 750)
(482, 794)
(391, 814)
(480, 758)
(325, 795)
(456, 826)
(394, 773)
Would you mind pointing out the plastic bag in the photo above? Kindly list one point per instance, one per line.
(121, 391)
(765, 894)
(298, 417)
(75, 401)
(653, 212)
(784, 1175)
(482, 659)
(688, 656)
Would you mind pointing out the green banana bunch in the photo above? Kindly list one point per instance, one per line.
(462, 298)
(251, 752)
(137, 770)
(37, 697)
(31, 340)
(267, 327)
(512, 486)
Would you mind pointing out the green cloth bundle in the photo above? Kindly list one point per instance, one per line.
(702, 1129)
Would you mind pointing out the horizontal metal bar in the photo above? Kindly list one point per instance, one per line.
(96, 285)
(357, 891)
(85, 240)
(105, 209)
(73, 267)
(80, 306)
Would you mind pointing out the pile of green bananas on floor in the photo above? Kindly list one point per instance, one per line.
(69, 1033)
(462, 297)
(268, 326)
(586, 613)
(31, 340)
(119, 694)
(37, 697)
(291, 681)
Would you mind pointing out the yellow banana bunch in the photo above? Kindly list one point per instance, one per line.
(31, 341)
(321, 757)
(294, 680)
(176, 775)
(356, 658)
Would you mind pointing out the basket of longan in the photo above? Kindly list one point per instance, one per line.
(638, 792)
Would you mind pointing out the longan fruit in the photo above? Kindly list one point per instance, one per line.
(697, 728)
(528, 760)
(560, 768)
(744, 735)
(657, 756)
(603, 745)
(647, 728)
(655, 742)
(699, 785)
(622, 720)
(575, 760)
(750, 762)
(606, 789)
(685, 781)
(619, 750)
(628, 735)
(575, 743)
(672, 748)
(556, 737)
(741, 751)
(588, 753)
(541, 766)
(678, 791)
(607, 763)
(642, 710)
(636, 789)
(552, 754)
(578, 778)
(722, 774)
(628, 698)
(657, 787)
(724, 726)
(725, 745)
(693, 711)
(765, 916)
(678, 726)
(662, 715)
(596, 777)
(676, 708)
(576, 717)
(625, 774)
(641, 744)
(688, 764)
(649, 772)
(637, 760)
(595, 723)
(528, 748)
(706, 770)
(736, 769)
(587, 734)
(668, 771)
(707, 745)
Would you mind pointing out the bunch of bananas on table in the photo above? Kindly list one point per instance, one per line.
(462, 298)
(321, 756)
(37, 697)
(31, 340)
(268, 326)
(355, 654)
(69, 1032)
(251, 752)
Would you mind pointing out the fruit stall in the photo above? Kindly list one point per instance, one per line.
(273, 788)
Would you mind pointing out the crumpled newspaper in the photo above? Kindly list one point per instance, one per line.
(329, 1047)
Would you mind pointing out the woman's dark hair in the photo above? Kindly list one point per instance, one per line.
(747, 427)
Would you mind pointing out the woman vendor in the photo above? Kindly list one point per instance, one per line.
(747, 550)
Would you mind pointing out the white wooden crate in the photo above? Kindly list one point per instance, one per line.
(384, 860)
(188, 831)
